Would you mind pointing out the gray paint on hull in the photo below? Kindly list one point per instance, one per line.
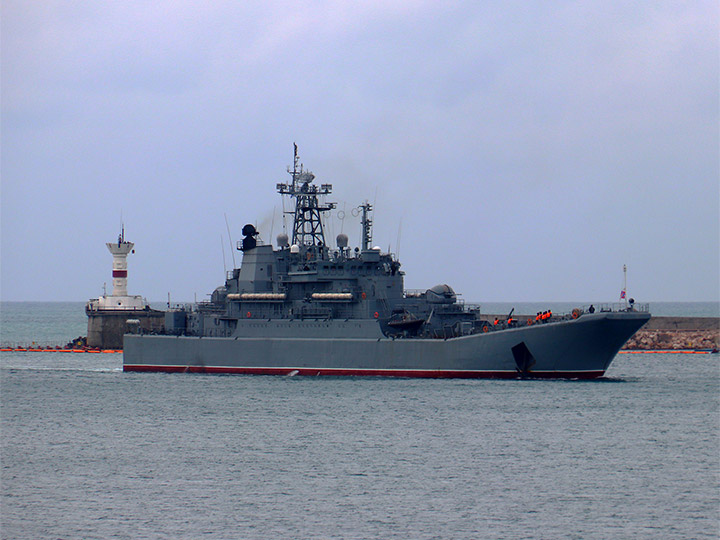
(587, 344)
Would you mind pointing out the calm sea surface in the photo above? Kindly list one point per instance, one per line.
(91, 452)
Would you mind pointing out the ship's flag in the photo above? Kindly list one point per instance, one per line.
(622, 294)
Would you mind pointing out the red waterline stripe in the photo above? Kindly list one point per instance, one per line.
(416, 373)
(20, 349)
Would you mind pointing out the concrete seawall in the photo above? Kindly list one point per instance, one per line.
(106, 327)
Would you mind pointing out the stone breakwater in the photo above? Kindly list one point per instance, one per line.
(677, 333)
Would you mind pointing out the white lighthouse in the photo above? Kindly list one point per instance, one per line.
(120, 250)
(113, 315)
(119, 300)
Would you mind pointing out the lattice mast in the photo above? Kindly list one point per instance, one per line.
(307, 221)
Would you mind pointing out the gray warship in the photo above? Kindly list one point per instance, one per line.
(304, 308)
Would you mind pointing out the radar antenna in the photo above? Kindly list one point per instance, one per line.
(307, 221)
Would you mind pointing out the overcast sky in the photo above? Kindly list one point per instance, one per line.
(516, 151)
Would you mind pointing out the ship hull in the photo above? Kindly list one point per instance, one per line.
(582, 348)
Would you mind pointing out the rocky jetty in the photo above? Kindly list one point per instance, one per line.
(677, 333)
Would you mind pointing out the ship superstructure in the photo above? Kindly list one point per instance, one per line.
(304, 307)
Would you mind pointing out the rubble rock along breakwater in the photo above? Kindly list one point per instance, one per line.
(677, 333)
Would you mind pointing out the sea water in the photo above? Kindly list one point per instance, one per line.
(89, 451)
